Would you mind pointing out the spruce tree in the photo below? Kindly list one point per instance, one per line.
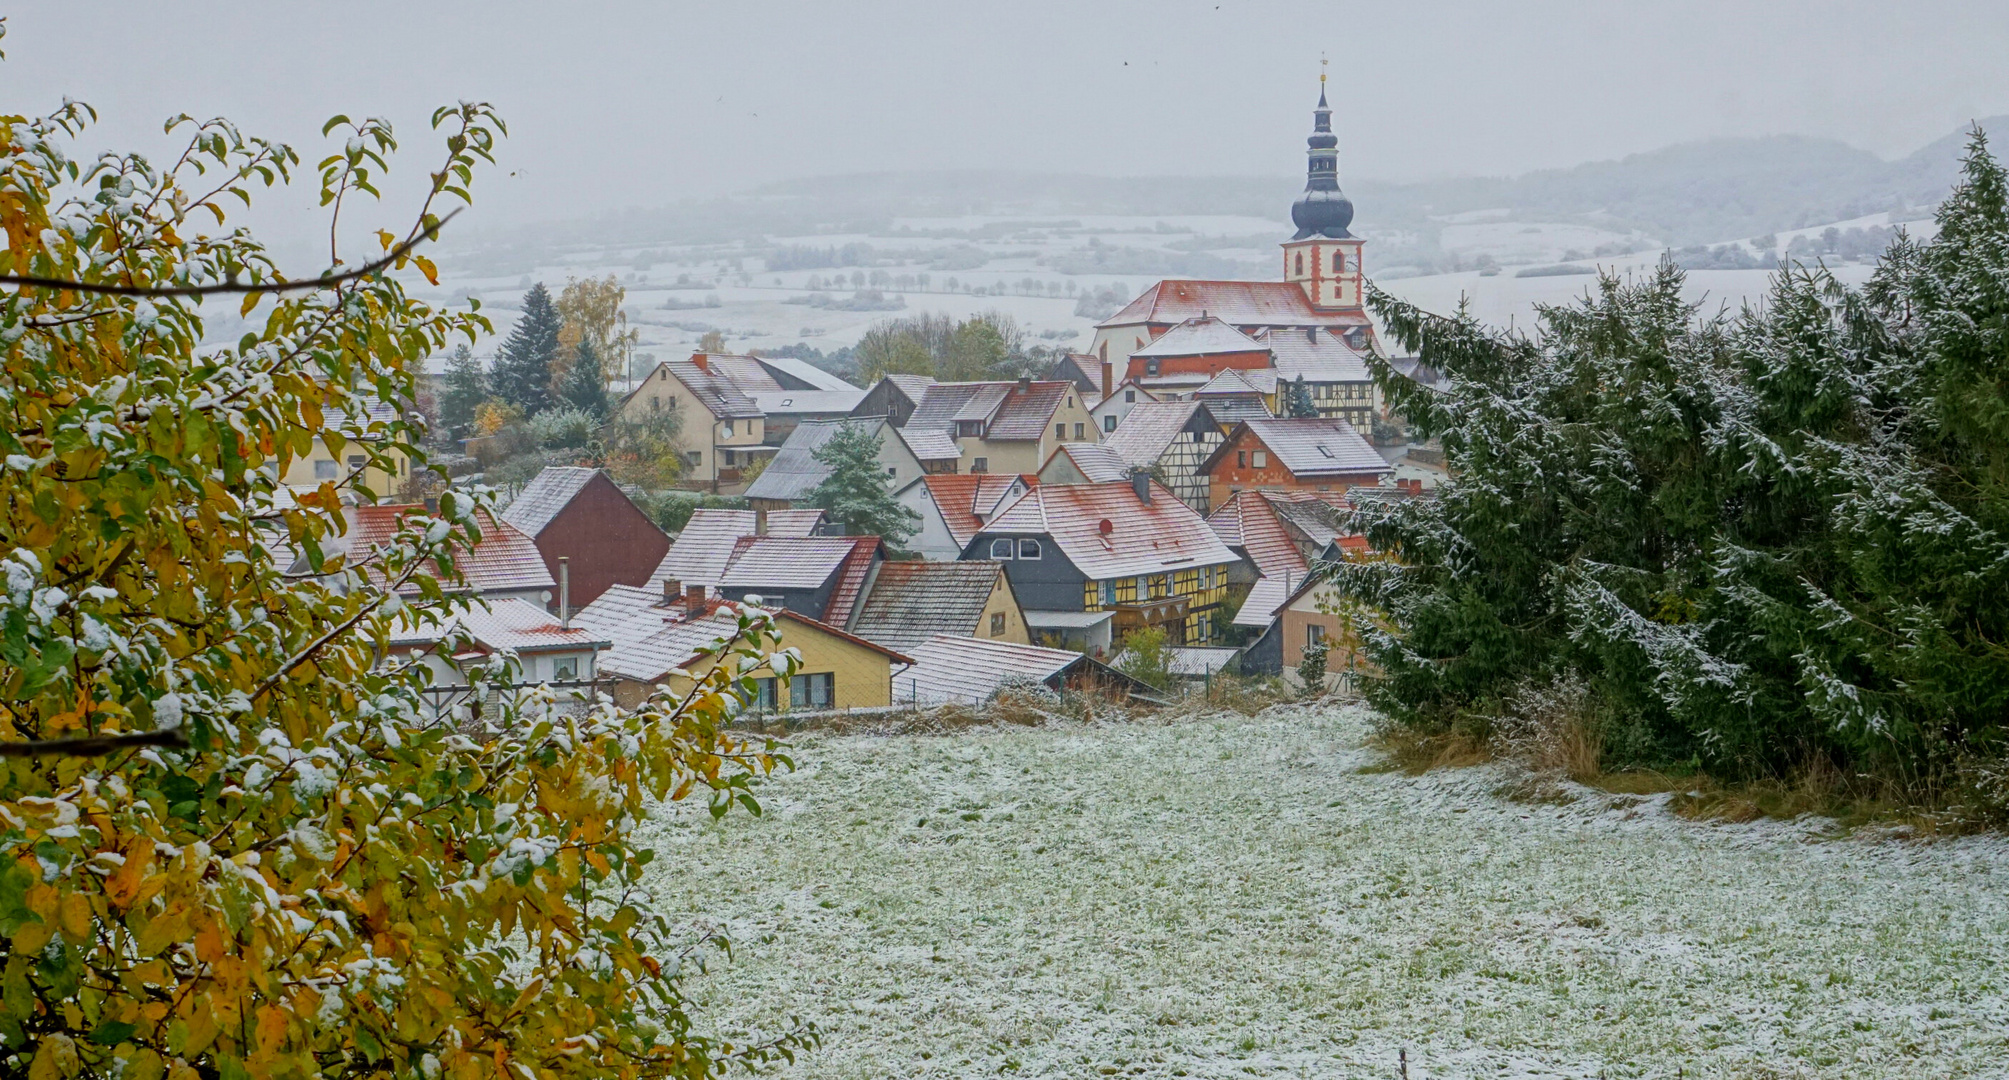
(522, 375)
(466, 388)
(1297, 403)
(585, 384)
(857, 492)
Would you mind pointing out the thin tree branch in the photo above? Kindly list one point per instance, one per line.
(323, 282)
(94, 745)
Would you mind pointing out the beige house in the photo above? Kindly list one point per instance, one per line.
(723, 427)
(1002, 427)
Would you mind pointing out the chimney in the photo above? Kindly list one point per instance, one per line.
(564, 592)
(1140, 482)
(1108, 377)
(760, 522)
(673, 590)
(1024, 383)
(694, 596)
(703, 362)
(1311, 334)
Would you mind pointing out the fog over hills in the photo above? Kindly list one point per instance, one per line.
(1694, 193)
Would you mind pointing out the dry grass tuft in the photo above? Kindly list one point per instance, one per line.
(1415, 752)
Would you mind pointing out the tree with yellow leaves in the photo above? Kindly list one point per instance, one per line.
(591, 310)
(233, 843)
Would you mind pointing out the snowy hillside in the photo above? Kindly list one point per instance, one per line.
(1238, 898)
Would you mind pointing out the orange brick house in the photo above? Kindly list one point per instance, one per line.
(1321, 454)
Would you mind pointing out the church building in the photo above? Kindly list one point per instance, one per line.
(1320, 293)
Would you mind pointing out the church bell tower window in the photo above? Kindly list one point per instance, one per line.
(1300, 262)
(1339, 262)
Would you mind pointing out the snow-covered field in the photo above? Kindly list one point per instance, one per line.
(1236, 897)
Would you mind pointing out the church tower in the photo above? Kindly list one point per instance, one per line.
(1323, 258)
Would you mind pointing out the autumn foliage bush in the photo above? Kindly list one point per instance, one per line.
(232, 842)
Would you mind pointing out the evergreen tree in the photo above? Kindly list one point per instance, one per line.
(466, 388)
(522, 374)
(585, 385)
(857, 492)
(1297, 402)
(1767, 543)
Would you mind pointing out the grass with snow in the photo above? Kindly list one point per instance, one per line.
(1235, 897)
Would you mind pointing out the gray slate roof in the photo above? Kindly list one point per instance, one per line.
(1150, 428)
(794, 472)
(911, 602)
(546, 496)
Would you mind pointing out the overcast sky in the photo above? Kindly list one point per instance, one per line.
(638, 104)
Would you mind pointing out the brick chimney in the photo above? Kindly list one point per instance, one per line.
(1140, 482)
(694, 596)
(703, 362)
(673, 590)
(760, 522)
(1108, 377)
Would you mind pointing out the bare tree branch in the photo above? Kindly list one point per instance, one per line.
(322, 282)
(94, 745)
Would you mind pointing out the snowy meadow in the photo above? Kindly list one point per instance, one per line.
(1237, 897)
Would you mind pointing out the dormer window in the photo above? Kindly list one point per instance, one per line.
(1150, 367)
(1028, 549)
(1001, 549)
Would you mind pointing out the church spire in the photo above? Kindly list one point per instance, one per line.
(1323, 210)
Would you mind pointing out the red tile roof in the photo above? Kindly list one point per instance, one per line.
(1238, 303)
(1266, 525)
(966, 500)
(1142, 538)
(851, 580)
(507, 625)
(505, 560)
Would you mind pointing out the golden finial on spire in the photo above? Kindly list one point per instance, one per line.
(1321, 67)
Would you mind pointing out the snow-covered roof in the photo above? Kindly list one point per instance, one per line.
(816, 377)
(966, 669)
(1238, 303)
(506, 559)
(509, 625)
(967, 500)
(1108, 532)
(704, 548)
(546, 496)
(808, 402)
(1150, 428)
(1320, 356)
(1200, 336)
(1260, 606)
(1319, 446)
(1097, 462)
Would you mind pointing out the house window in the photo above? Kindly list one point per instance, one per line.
(565, 668)
(1001, 549)
(729, 459)
(325, 470)
(1129, 395)
(1313, 634)
(1028, 549)
(1060, 431)
(978, 465)
(892, 471)
(1080, 432)
(1109, 422)
(1241, 459)
(655, 403)
(697, 457)
(763, 695)
(997, 624)
(812, 691)
(728, 429)
(969, 429)
(1262, 459)
(1150, 367)
(355, 463)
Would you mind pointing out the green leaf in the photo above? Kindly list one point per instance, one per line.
(112, 1032)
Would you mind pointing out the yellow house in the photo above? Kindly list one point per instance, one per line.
(723, 427)
(321, 465)
(1005, 427)
(906, 603)
(655, 645)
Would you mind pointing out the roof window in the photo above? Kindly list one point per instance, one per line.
(1001, 549)
(1324, 449)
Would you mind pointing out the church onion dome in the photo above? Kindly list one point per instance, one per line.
(1323, 210)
